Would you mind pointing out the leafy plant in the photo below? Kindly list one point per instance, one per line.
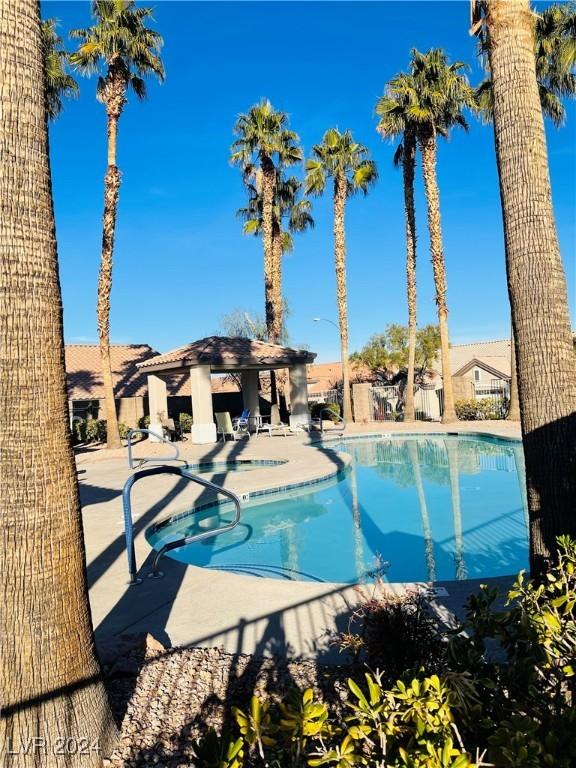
(213, 751)
(318, 410)
(94, 430)
(477, 410)
(185, 420)
(144, 422)
(396, 634)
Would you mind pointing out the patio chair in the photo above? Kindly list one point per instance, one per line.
(225, 427)
(243, 420)
(274, 425)
(170, 430)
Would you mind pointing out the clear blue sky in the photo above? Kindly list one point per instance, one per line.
(181, 259)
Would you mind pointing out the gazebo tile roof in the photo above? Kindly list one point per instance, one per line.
(224, 350)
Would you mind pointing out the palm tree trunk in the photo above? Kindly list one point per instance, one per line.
(268, 183)
(50, 679)
(111, 191)
(428, 149)
(514, 405)
(340, 263)
(408, 164)
(536, 282)
(277, 283)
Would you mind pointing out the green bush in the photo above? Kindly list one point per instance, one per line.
(503, 695)
(185, 420)
(475, 410)
(397, 634)
(94, 430)
(317, 408)
(144, 422)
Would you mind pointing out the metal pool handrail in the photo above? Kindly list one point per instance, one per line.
(128, 525)
(161, 438)
(332, 413)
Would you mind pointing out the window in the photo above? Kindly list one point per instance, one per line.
(476, 374)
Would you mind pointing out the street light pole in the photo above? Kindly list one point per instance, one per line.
(342, 361)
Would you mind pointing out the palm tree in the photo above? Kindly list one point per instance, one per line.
(513, 405)
(58, 82)
(263, 145)
(536, 280)
(291, 214)
(393, 109)
(121, 45)
(437, 94)
(347, 163)
(555, 52)
(50, 678)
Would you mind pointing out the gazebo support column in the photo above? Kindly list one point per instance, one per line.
(157, 404)
(299, 413)
(203, 427)
(250, 396)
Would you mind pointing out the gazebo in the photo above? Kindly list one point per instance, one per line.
(224, 354)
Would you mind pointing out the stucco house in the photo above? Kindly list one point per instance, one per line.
(481, 369)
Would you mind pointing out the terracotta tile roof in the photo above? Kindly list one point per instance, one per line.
(84, 377)
(226, 350)
(324, 376)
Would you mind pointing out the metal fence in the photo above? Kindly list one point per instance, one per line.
(325, 396)
(387, 403)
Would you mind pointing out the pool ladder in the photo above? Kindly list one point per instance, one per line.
(144, 459)
(332, 413)
(129, 528)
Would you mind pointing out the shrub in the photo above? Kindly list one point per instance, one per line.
(317, 408)
(473, 410)
(185, 420)
(396, 634)
(144, 422)
(503, 696)
(94, 430)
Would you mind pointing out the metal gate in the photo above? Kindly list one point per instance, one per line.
(387, 404)
(384, 403)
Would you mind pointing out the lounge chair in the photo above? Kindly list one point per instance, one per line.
(242, 421)
(274, 425)
(225, 427)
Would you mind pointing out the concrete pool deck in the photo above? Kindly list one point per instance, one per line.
(194, 606)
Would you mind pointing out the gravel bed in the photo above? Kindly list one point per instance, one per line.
(167, 697)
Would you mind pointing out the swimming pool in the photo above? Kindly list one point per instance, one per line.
(409, 508)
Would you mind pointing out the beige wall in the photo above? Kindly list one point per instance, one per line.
(463, 387)
(130, 410)
(361, 402)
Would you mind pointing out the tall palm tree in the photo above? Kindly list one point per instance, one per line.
(120, 45)
(536, 281)
(291, 214)
(513, 404)
(50, 678)
(347, 163)
(264, 143)
(438, 93)
(58, 82)
(555, 53)
(393, 109)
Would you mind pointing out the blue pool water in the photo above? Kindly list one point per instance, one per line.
(421, 508)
